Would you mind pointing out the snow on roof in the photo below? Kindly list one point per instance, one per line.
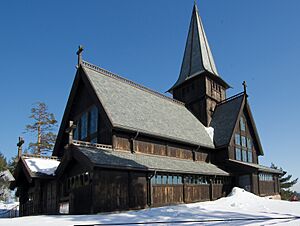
(42, 165)
(7, 176)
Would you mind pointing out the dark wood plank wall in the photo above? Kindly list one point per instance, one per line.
(80, 200)
(196, 193)
(118, 190)
(49, 197)
(39, 198)
(155, 147)
(137, 190)
(268, 188)
(254, 180)
(187, 193)
(167, 194)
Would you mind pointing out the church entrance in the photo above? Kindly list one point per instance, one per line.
(245, 182)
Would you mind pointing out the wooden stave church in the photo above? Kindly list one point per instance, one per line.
(123, 146)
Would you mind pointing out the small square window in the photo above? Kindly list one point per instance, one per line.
(164, 179)
(153, 180)
(175, 179)
(158, 179)
(179, 179)
(170, 180)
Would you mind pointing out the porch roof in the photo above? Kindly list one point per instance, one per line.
(138, 161)
(258, 167)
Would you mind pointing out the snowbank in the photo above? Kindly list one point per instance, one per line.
(40, 165)
(5, 207)
(242, 205)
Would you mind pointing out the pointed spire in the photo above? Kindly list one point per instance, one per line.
(197, 55)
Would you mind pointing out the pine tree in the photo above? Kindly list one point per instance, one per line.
(3, 162)
(13, 163)
(285, 183)
(4, 191)
(42, 126)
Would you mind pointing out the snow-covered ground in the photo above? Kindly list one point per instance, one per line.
(239, 205)
(4, 207)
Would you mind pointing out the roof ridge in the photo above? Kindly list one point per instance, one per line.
(129, 82)
(230, 98)
(39, 156)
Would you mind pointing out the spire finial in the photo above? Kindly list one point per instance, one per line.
(245, 87)
(195, 4)
(19, 144)
(79, 54)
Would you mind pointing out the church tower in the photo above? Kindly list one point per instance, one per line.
(199, 85)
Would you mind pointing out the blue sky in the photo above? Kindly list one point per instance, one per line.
(256, 41)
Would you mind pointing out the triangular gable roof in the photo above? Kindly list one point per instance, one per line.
(225, 118)
(197, 56)
(137, 108)
(34, 167)
(79, 79)
(7, 176)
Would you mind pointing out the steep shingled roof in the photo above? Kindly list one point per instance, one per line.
(132, 106)
(123, 159)
(224, 120)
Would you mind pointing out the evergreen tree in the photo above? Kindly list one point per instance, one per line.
(4, 191)
(3, 162)
(12, 164)
(42, 126)
(285, 183)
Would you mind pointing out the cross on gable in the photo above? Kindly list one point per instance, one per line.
(21, 142)
(70, 130)
(245, 86)
(79, 54)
